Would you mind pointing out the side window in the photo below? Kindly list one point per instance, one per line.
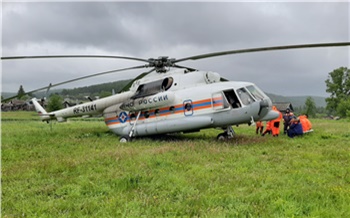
(188, 107)
(156, 112)
(146, 114)
(244, 96)
(219, 101)
(172, 109)
(232, 99)
(132, 116)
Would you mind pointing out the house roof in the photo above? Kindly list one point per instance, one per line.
(282, 106)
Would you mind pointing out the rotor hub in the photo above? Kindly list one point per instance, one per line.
(161, 63)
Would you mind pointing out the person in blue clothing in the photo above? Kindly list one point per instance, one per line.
(287, 120)
(295, 128)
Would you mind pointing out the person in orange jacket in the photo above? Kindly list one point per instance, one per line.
(268, 128)
(259, 127)
(275, 126)
(305, 123)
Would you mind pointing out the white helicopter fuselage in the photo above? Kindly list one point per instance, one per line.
(178, 101)
(192, 101)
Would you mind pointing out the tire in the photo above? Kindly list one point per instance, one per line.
(222, 137)
(124, 139)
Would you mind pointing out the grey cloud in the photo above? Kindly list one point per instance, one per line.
(180, 29)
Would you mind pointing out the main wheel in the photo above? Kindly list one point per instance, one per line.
(222, 137)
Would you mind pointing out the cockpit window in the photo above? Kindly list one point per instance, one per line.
(255, 92)
(245, 96)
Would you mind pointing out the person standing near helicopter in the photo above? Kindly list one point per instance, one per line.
(259, 127)
(286, 120)
(275, 124)
(268, 129)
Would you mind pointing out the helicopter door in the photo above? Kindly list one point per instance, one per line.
(188, 108)
(232, 99)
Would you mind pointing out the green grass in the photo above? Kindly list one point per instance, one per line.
(79, 169)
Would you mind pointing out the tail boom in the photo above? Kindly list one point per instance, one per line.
(44, 116)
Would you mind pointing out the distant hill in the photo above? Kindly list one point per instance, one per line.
(37, 94)
(92, 90)
(95, 90)
(298, 101)
(8, 94)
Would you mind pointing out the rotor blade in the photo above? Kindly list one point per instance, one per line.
(188, 68)
(127, 87)
(73, 56)
(79, 78)
(214, 54)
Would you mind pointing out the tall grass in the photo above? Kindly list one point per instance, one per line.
(79, 169)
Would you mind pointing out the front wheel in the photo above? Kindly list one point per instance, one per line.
(124, 139)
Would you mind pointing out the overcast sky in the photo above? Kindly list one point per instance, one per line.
(175, 29)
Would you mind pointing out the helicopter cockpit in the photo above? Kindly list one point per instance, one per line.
(243, 96)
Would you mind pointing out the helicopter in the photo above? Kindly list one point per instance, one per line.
(171, 98)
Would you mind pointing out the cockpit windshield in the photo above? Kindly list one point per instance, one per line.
(245, 97)
(242, 96)
(255, 92)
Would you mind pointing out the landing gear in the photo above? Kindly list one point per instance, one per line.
(128, 138)
(124, 139)
(227, 134)
(222, 136)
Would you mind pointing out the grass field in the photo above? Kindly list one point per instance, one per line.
(79, 169)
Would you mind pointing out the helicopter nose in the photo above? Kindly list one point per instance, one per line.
(270, 115)
(265, 111)
(265, 103)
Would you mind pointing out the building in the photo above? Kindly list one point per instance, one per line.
(282, 106)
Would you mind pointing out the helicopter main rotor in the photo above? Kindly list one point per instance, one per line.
(163, 63)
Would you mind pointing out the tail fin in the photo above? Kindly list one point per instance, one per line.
(41, 111)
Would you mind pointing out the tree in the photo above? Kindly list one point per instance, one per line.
(104, 94)
(55, 103)
(21, 92)
(310, 107)
(343, 108)
(338, 85)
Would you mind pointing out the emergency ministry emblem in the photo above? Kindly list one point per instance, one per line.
(123, 117)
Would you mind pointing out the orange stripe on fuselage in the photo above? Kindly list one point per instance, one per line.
(208, 103)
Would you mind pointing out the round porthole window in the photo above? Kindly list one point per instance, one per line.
(146, 114)
(188, 106)
(132, 116)
(156, 112)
